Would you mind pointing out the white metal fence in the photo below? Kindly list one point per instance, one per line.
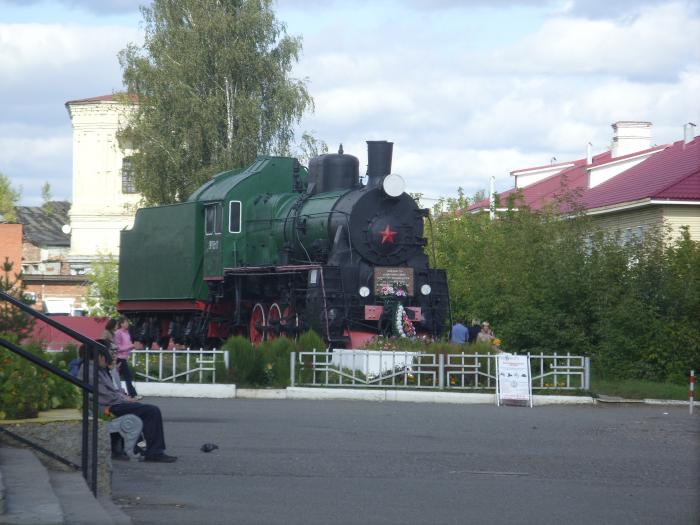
(396, 369)
(188, 365)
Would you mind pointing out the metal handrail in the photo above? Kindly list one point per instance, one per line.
(83, 384)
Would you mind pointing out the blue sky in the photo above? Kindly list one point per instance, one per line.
(465, 89)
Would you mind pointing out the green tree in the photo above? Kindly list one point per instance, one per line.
(310, 147)
(214, 90)
(102, 296)
(552, 283)
(9, 197)
(14, 322)
(47, 203)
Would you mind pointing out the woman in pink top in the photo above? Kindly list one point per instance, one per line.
(122, 340)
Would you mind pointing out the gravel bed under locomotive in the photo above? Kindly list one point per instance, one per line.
(302, 250)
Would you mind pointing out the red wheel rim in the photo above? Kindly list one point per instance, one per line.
(289, 318)
(256, 327)
(273, 322)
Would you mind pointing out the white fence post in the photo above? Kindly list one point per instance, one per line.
(292, 364)
(586, 373)
(441, 371)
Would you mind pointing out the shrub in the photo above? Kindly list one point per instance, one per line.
(245, 361)
(26, 389)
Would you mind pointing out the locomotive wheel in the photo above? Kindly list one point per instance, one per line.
(290, 322)
(257, 326)
(273, 322)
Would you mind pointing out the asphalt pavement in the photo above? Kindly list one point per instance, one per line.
(358, 462)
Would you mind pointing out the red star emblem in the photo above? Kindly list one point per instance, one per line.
(388, 235)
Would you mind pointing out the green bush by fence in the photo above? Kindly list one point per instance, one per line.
(26, 389)
(268, 363)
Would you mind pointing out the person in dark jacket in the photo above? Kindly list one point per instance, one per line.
(112, 400)
(474, 330)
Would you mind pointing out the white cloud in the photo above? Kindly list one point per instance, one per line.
(101, 6)
(465, 89)
(646, 46)
(458, 118)
(30, 162)
(30, 52)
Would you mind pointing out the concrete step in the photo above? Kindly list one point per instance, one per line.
(77, 502)
(35, 495)
(29, 497)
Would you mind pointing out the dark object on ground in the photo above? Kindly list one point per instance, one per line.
(161, 458)
(208, 447)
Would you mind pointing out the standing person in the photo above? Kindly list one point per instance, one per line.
(486, 335)
(459, 333)
(474, 330)
(122, 340)
(108, 333)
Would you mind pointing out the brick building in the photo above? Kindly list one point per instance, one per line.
(57, 286)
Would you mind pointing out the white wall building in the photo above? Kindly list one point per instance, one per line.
(104, 199)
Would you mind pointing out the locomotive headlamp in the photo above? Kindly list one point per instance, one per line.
(393, 185)
(426, 289)
(364, 291)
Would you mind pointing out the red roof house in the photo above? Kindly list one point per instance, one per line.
(623, 190)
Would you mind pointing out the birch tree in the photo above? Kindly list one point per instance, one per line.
(213, 88)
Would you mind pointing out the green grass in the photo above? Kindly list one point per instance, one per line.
(638, 389)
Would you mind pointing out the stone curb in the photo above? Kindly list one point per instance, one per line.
(209, 390)
(619, 400)
(224, 391)
(410, 396)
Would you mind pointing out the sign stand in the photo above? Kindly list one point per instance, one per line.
(513, 380)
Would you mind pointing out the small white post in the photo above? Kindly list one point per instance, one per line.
(691, 391)
(292, 362)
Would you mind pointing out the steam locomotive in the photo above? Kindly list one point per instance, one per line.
(276, 248)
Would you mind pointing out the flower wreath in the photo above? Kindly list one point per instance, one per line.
(393, 290)
(404, 326)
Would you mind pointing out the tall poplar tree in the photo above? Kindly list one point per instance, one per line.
(214, 90)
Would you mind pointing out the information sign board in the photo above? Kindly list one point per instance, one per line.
(513, 383)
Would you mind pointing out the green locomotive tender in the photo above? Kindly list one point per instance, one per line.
(274, 249)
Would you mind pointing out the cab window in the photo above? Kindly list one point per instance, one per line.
(234, 217)
(212, 219)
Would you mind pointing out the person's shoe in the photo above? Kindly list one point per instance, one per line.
(138, 398)
(161, 458)
(121, 456)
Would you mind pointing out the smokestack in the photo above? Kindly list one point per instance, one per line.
(688, 132)
(630, 137)
(589, 154)
(379, 153)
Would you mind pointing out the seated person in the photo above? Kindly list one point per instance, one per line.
(113, 400)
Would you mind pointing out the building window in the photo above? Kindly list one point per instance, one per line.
(128, 185)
